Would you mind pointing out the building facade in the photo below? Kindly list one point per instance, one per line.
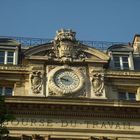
(66, 90)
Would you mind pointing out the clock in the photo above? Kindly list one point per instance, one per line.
(65, 80)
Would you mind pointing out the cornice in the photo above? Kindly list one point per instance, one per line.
(72, 101)
(122, 74)
(13, 69)
(45, 58)
(79, 108)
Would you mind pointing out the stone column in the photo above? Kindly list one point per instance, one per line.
(24, 137)
(36, 137)
(46, 137)
(93, 138)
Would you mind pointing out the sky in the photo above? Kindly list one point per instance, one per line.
(93, 20)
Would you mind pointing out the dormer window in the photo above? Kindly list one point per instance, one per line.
(9, 51)
(121, 62)
(121, 57)
(7, 57)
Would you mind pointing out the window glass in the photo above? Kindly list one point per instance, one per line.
(125, 62)
(126, 96)
(116, 58)
(10, 54)
(10, 57)
(121, 62)
(10, 60)
(6, 57)
(117, 65)
(125, 59)
(2, 55)
(1, 92)
(125, 66)
(132, 96)
(8, 91)
(122, 95)
(1, 60)
(116, 62)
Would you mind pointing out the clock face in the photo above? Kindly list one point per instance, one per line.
(66, 80)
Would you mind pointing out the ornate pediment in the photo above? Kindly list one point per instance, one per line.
(65, 48)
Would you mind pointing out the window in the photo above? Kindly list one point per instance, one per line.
(2, 57)
(7, 57)
(121, 62)
(126, 96)
(6, 91)
(10, 57)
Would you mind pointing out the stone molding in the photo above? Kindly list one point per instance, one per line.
(126, 74)
(13, 68)
(72, 101)
(81, 111)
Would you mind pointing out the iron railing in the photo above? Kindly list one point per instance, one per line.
(28, 41)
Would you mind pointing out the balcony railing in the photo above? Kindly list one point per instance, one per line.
(27, 41)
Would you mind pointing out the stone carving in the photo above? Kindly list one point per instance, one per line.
(50, 54)
(66, 46)
(82, 55)
(36, 82)
(98, 84)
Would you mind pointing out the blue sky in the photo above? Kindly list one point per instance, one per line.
(105, 20)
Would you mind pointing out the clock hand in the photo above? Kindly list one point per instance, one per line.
(64, 79)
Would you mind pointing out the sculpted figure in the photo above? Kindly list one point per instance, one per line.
(36, 82)
(98, 84)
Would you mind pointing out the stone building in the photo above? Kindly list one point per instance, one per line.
(66, 90)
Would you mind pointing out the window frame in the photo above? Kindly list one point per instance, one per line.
(6, 57)
(121, 62)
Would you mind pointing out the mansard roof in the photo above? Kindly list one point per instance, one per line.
(121, 48)
(8, 42)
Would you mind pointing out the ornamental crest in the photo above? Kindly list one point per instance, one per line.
(65, 45)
